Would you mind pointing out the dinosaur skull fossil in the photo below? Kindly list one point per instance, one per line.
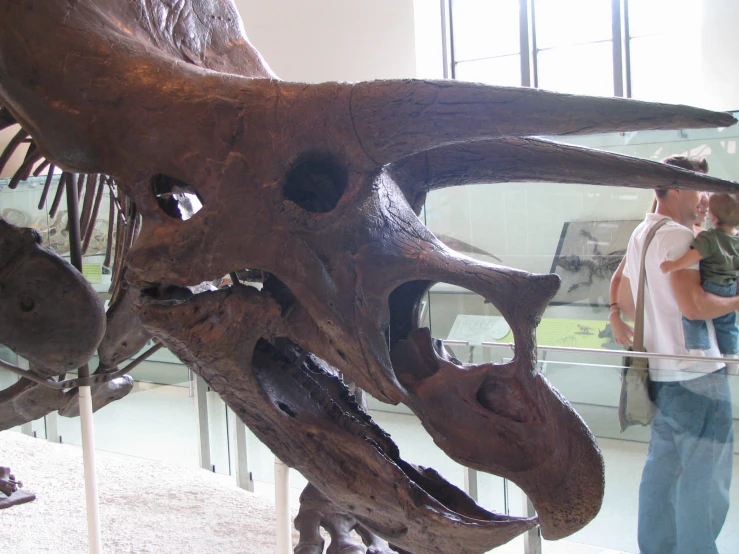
(318, 187)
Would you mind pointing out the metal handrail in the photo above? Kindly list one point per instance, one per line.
(619, 353)
(79, 381)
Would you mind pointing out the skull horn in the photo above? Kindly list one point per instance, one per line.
(394, 119)
(511, 160)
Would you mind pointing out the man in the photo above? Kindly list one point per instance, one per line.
(683, 496)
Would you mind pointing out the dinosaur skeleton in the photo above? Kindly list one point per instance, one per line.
(316, 188)
(597, 265)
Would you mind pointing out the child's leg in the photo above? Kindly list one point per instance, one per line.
(727, 334)
(696, 334)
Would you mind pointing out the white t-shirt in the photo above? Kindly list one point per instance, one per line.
(663, 329)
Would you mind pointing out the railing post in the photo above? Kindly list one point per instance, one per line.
(52, 427)
(201, 413)
(243, 476)
(470, 483)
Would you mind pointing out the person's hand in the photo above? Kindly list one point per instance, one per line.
(667, 267)
(623, 334)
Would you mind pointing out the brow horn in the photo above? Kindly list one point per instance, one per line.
(394, 119)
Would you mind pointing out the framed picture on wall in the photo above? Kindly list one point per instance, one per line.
(587, 255)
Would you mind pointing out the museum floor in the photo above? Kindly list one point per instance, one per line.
(158, 423)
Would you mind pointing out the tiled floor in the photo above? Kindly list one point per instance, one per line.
(158, 422)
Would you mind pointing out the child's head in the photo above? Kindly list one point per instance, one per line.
(725, 209)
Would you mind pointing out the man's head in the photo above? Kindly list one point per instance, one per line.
(699, 165)
(724, 209)
(687, 207)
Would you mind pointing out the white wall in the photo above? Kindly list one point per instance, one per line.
(333, 40)
(692, 61)
(720, 51)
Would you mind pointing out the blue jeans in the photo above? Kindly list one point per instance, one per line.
(684, 491)
(727, 335)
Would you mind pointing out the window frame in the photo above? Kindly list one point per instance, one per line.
(528, 55)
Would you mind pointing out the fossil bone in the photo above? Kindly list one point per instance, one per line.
(317, 187)
(49, 313)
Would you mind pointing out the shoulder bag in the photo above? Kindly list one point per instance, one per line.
(635, 405)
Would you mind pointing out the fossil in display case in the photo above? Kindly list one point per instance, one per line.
(588, 254)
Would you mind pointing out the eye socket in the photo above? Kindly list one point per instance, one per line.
(27, 303)
(176, 198)
(405, 306)
(316, 183)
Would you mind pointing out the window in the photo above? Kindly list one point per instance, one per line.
(487, 47)
(574, 46)
(666, 56)
(596, 47)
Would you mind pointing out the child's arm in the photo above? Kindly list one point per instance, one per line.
(688, 260)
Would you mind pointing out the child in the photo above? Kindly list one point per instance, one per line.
(717, 250)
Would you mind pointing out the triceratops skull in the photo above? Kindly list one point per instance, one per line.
(318, 187)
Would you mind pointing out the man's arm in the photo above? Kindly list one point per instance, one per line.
(625, 299)
(622, 332)
(694, 302)
(616, 282)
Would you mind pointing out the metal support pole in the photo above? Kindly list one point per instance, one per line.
(243, 475)
(618, 42)
(201, 413)
(524, 33)
(85, 395)
(88, 458)
(282, 507)
(626, 49)
(446, 42)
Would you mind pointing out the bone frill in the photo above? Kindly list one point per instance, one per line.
(314, 187)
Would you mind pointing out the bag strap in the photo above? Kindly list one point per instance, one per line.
(639, 319)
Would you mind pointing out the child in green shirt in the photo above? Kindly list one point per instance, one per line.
(717, 251)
